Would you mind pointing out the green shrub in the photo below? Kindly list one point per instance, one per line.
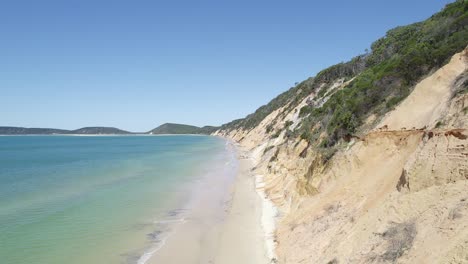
(287, 124)
(276, 134)
(393, 101)
(383, 78)
(396, 62)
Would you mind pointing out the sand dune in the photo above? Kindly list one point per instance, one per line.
(398, 193)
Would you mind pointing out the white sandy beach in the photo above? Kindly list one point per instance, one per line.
(242, 239)
(224, 226)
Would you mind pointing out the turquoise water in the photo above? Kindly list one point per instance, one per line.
(97, 199)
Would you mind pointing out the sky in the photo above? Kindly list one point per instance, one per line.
(137, 64)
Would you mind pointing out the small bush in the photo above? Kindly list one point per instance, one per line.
(268, 149)
(276, 134)
(324, 143)
(399, 237)
(275, 156)
(269, 128)
(306, 135)
(393, 101)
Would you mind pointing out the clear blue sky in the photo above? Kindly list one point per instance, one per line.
(137, 64)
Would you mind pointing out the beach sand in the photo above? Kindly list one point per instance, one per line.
(242, 239)
(224, 225)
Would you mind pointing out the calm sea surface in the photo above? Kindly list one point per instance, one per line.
(97, 199)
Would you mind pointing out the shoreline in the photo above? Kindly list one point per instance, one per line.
(243, 237)
(225, 222)
(270, 212)
(268, 219)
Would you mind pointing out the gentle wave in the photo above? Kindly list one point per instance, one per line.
(147, 255)
(160, 235)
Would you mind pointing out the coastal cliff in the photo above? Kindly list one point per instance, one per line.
(367, 162)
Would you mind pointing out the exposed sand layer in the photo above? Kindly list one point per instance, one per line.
(369, 210)
(397, 194)
(223, 225)
(429, 100)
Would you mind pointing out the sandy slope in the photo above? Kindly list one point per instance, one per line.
(397, 195)
(347, 219)
(429, 100)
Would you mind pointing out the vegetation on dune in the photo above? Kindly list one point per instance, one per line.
(396, 63)
(207, 130)
(295, 94)
(383, 78)
(254, 119)
(399, 238)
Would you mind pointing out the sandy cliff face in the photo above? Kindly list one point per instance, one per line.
(397, 194)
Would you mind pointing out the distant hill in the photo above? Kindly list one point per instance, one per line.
(50, 131)
(98, 131)
(167, 128)
(171, 128)
(4, 130)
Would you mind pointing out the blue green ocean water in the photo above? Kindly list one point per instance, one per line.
(96, 199)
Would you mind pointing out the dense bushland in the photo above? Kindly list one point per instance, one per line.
(382, 78)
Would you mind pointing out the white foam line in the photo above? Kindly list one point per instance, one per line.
(269, 210)
(181, 220)
(147, 255)
(269, 213)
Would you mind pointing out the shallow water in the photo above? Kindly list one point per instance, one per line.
(98, 199)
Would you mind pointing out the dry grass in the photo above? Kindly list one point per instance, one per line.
(399, 237)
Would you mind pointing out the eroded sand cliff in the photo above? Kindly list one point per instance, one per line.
(396, 192)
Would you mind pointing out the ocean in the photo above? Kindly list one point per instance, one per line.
(101, 199)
